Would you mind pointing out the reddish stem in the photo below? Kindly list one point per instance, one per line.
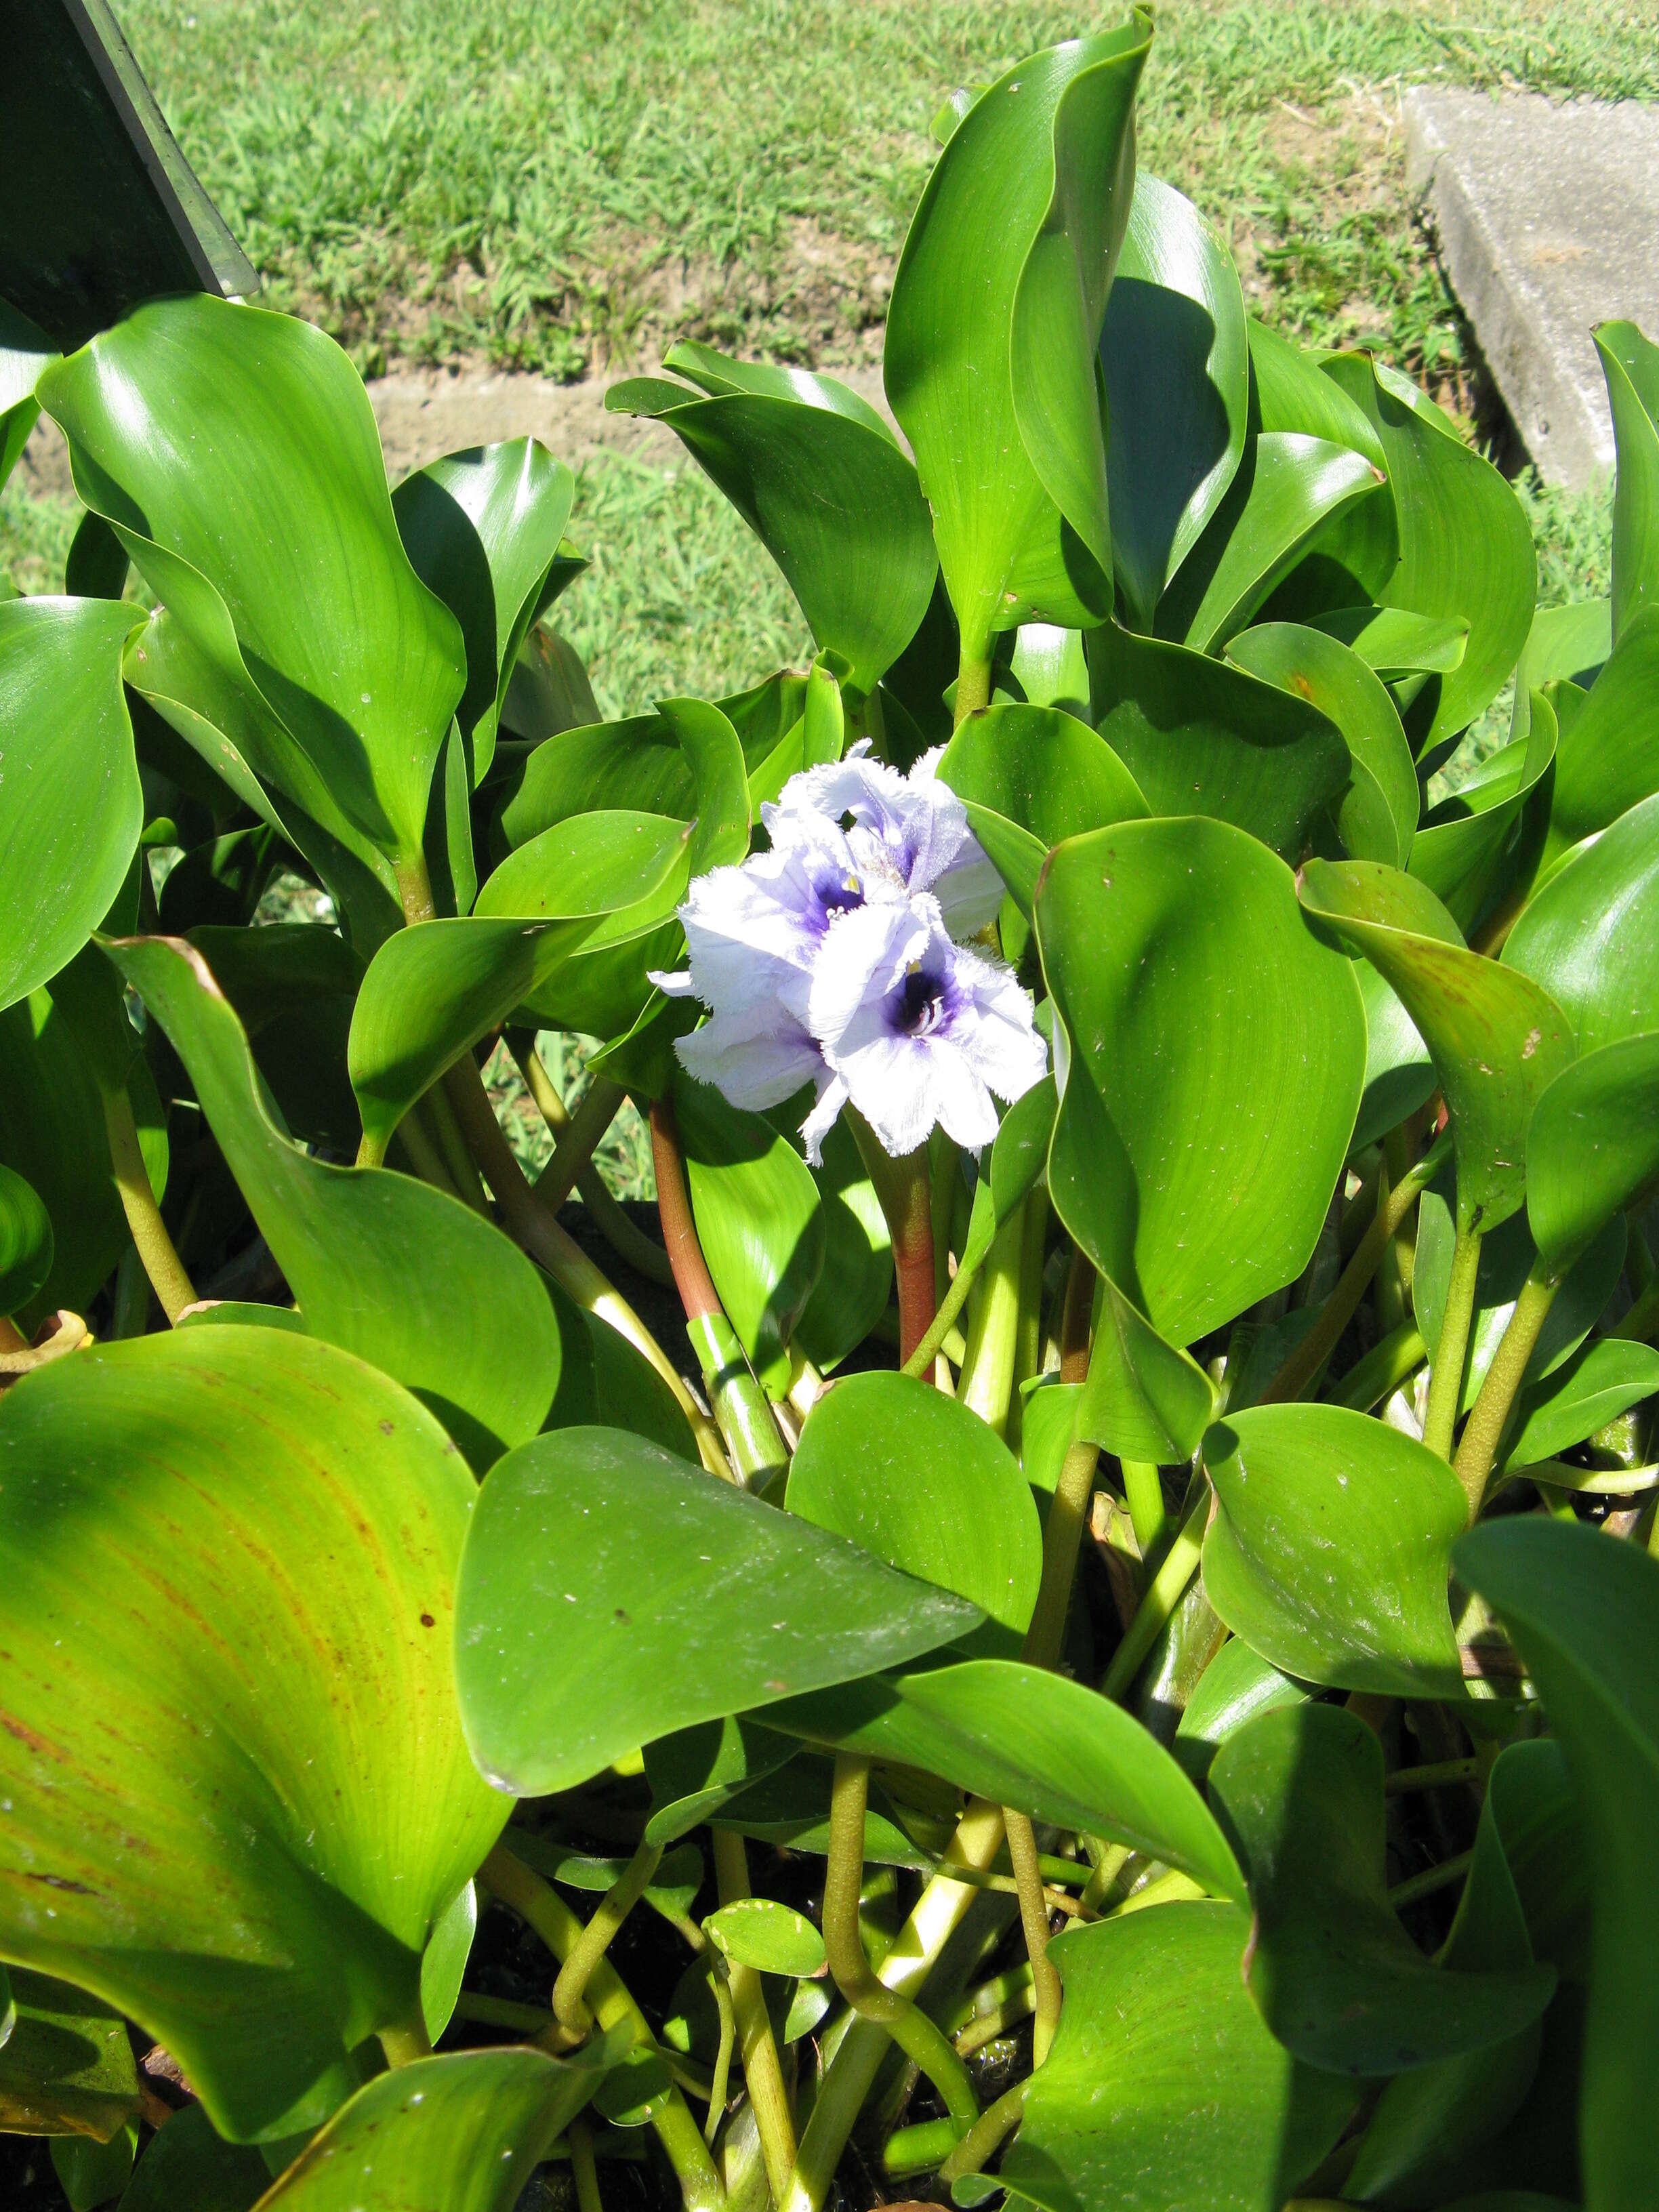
(679, 1231)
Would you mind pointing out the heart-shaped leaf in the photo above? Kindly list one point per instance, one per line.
(70, 807)
(466, 2130)
(235, 451)
(996, 312)
(1592, 1146)
(482, 530)
(1236, 1685)
(1596, 1386)
(1497, 1040)
(898, 1468)
(26, 1247)
(1586, 936)
(1330, 1548)
(1333, 677)
(1629, 362)
(247, 1857)
(404, 1276)
(771, 1938)
(1163, 2091)
(1041, 772)
(1201, 737)
(1024, 1737)
(1607, 759)
(66, 2066)
(1180, 968)
(821, 480)
(1584, 1610)
(1177, 360)
(729, 1606)
(1143, 1398)
(1329, 1967)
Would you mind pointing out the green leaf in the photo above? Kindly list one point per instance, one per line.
(1050, 666)
(236, 453)
(25, 351)
(241, 1796)
(1201, 737)
(1329, 1967)
(1176, 360)
(94, 2173)
(1399, 1076)
(1465, 550)
(694, 1771)
(1497, 1040)
(443, 1963)
(66, 2068)
(1392, 642)
(1596, 1386)
(856, 1279)
(691, 1600)
(816, 737)
(1486, 828)
(1204, 2112)
(1333, 678)
(759, 1220)
(1143, 1398)
(894, 1465)
(70, 807)
(465, 2131)
(820, 479)
(1630, 364)
(186, 2163)
(1592, 1146)
(26, 1247)
(1587, 935)
(1607, 760)
(1022, 1736)
(1584, 1610)
(409, 1280)
(1036, 770)
(293, 986)
(1236, 1685)
(1289, 490)
(1572, 642)
(996, 312)
(483, 531)
(547, 689)
(1180, 969)
(773, 1938)
(1330, 1547)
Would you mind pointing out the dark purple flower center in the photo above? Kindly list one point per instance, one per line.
(918, 1006)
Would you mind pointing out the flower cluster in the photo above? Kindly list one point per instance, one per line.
(837, 959)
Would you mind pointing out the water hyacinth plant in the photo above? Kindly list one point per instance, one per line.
(1077, 1623)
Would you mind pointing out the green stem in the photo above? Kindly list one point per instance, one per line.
(539, 1906)
(451, 1144)
(986, 2027)
(1143, 1491)
(1638, 1324)
(931, 1341)
(987, 1381)
(922, 2040)
(1446, 1380)
(162, 1265)
(1385, 1367)
(1028, 1337)
(719, 1981)
(1310, 1355)
(763, 2072)
(424, 1157)
(1483, 1432)
(989, 2133)
(580, 2136)
(403, 2045)
(596, 1940)
(902, 1187)
(1443, 1774)
(577, 1140)
(973, 682)
(1034, 1921)
(1162, 1593)
(1068, 1509)
(1434, 1878)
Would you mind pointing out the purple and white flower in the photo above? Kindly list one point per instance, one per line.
(834, 960)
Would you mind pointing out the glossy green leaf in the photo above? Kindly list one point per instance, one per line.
(94, 2173)
(1629, 362)
(1293, 394)
(898, 1468)
(696, 1770)
(411, 1280)
(1570, 641)
(67, 2067)
(759, 1220)
(1330, 1546)
(1144, 1398)
(247, 1857)
(443, 1962)
(815, 737)
(1593, 1145)
(1022, 1736)
(855, 1282)
(724, 1606)
(820, 479)
(1288, 491)
(236, 453)
(1596, 1386)
(1583, 1609)
(1041, 771)
(1180, 968)
(1163, 2091)
(1399, 1076)
(293, 986)
(1487, 826)
(996, 312)
(1177, 368)
(1236, 1685)
(1393, 641)
(25, 351)
(1587, 936)
(1201, 737)
(1050, 665)
(483, 531)
(1465, 549)
(1497, 1040)
(464, 2132)
(790, 1809)
(1333, 677)
(773, 1938)
(1607, 760)
(25, 1246)
(186, 2163)
(1329, 1967)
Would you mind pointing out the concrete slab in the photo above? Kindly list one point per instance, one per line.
(1548, 220)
